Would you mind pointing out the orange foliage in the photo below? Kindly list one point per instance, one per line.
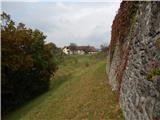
(120, 30)
(121, 24)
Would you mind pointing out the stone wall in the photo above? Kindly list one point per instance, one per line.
(133, 68)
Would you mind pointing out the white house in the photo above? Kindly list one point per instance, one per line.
(66, 50)
(79, 50)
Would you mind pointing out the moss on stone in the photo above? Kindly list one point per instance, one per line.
(152, 73)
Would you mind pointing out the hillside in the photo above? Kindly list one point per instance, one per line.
(79, 91)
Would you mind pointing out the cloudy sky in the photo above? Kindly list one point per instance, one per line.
(64, 21)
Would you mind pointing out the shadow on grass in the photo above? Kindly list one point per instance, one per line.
(27, 106)
(59, 81)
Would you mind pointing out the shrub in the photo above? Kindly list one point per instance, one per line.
(27, 63)
(153, 72)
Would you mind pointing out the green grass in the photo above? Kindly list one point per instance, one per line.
(77, 92)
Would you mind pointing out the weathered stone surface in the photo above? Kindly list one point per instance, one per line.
(139, 97)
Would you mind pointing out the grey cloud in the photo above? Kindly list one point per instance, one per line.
(63, 23)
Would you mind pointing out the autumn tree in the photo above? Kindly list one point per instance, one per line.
(27, 63)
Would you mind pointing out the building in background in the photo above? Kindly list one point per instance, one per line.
(69, 50)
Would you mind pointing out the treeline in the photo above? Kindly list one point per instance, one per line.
(26, 63)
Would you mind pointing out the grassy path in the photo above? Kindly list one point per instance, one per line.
(79, 91)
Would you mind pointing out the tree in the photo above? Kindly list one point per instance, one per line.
(73, 47)
(104, 48)
(26, 64)
(56, 53)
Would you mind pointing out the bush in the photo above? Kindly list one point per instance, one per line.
(27, 63)
(153, 72)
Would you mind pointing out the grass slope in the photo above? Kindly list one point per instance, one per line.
(78, 91)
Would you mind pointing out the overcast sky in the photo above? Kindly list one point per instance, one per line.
(64, 21)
